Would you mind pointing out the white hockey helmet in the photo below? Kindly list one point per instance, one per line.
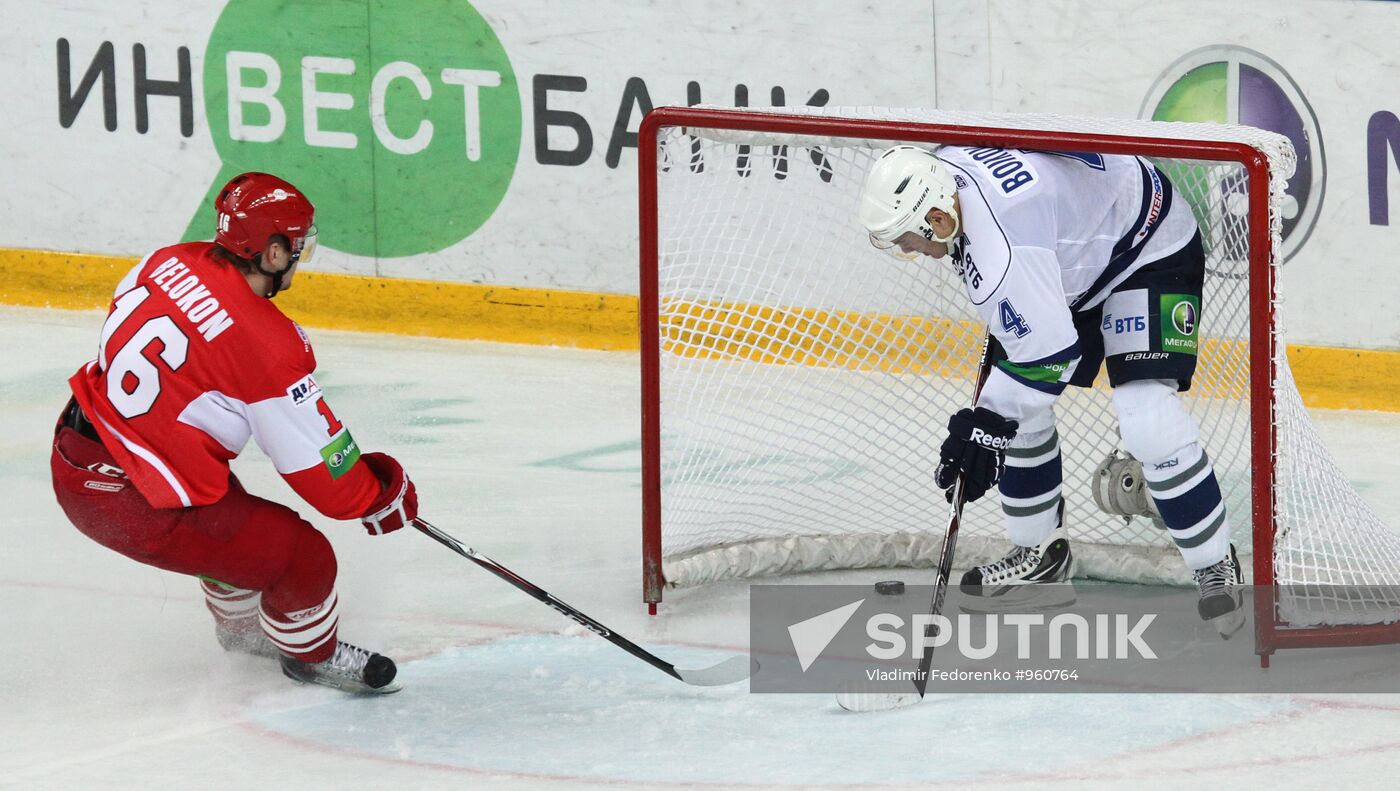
(902, 186)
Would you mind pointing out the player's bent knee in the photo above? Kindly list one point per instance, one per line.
(1152, 420)
(309, 576)
(1025, 440)
(315, 557)
(1040, 424)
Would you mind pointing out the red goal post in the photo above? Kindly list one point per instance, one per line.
(706, 337)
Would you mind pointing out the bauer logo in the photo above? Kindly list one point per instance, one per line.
(1235, 85)
(402, 127)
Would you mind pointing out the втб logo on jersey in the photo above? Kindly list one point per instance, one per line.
(1228, 84)
(963, 263)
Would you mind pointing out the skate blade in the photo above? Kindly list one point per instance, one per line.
(1037, 597)
(1229, 623)
(348, 686)
(387, 689)
(351, 688)
(858, 698)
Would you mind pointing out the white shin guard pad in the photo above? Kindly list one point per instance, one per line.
(1152, 420)
(1159, 432)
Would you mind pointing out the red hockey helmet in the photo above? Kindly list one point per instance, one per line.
(253, 207)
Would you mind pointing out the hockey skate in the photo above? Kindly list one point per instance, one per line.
(1027, 578)
(250, 641)
(350, 668)
(1222, 599)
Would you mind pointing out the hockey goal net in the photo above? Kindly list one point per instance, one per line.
(796, 381)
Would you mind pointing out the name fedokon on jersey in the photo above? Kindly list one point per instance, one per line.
(191, 365)
(1046, 234)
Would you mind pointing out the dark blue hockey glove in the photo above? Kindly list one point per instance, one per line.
(976, 446)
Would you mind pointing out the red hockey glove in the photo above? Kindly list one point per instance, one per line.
(398, 502)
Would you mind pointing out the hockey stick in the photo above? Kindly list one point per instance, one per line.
(884, 701)
(940, 590)
(950, 539)
(730, 671)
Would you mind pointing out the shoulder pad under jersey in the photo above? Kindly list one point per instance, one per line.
(982, 256)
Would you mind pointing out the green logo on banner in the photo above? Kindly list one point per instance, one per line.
(1181, 317)
(401, 122)
(341, 454)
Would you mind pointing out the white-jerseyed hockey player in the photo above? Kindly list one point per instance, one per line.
(1073, 260)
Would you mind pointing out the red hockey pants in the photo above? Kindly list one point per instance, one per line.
(241, 540)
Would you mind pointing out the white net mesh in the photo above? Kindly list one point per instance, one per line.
(806, 378)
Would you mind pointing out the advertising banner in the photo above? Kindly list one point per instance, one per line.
(473, 142)
(1324, 73)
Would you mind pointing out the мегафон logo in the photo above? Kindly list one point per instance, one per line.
(1235, 85)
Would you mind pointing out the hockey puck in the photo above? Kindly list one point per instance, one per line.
(889, 587)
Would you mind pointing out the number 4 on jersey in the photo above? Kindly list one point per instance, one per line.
(1011, 321)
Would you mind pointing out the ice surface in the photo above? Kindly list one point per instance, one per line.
(530, 455)
(653, 718)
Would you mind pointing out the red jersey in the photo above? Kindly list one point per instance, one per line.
(191, 364)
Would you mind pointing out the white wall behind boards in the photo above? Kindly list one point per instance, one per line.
(492, 141)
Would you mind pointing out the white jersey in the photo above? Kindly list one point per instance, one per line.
(1047, 234)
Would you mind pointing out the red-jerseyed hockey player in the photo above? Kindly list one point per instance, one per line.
(193, 360)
